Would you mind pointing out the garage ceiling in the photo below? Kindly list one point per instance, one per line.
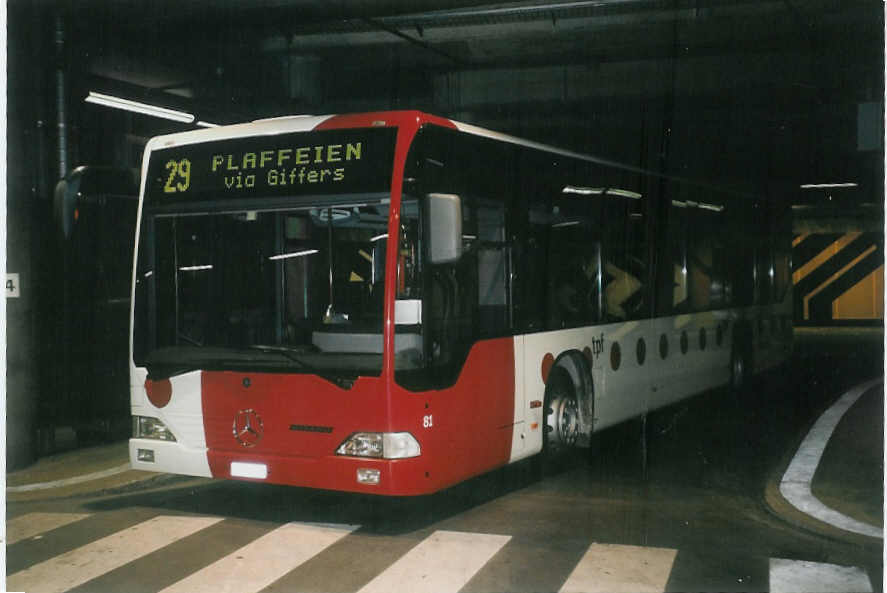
(779, 92)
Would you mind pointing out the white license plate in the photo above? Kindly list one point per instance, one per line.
(249, 470)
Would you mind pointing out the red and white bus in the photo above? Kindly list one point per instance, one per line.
(393, 302)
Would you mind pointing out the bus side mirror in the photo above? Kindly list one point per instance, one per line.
(444, 228)
(65, 202)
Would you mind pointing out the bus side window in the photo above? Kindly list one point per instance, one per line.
(763, 274)
(672, 286)
(781, 274)
(453, 303)
(626, 258)
(492, 269)
(530, 246)
(574, 263)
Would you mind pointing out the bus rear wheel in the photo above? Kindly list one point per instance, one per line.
(739, 361)
(561, 414)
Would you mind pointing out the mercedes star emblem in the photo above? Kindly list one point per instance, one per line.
(248, 428)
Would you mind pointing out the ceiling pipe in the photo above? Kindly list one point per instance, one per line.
(544, 11)
(60, 97)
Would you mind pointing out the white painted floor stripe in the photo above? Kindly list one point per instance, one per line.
(263, 561)
(795, 486)
(85, 563)
(613, 568)
(442, 562)
(70, 481)
(34, 524)
(798, 576)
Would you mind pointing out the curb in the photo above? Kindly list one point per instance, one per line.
(786, 482)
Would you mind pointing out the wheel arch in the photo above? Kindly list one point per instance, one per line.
(579, 370)
(742, 345)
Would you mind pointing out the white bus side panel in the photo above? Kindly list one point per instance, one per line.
(704, 365)
(519, 434)
(637, 379)
(183, 416)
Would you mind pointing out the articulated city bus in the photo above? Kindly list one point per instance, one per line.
(393, 302)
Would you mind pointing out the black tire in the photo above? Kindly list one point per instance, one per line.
(740, 363)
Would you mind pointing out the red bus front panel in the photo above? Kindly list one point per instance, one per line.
(293, 424)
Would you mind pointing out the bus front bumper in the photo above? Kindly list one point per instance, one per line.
(164, 456)
(400, 477)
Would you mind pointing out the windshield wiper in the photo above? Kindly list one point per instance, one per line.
(292, 354)
(289, 352)
(171, 361)
(176, 360)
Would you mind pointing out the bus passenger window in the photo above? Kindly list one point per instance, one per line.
(763, 275)
(492, 269)
(624, 291)
(452, 304)
(781, 274)
(674, 292)
(625, 256)
(699, 264)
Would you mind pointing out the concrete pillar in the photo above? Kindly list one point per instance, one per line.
(30, 135)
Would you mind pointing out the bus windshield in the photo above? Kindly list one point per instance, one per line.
(294, 290)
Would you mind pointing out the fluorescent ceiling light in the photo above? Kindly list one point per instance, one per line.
(379, 237)
(136, 107)
(712, 207)
(624, 193)
(195, 268)
(598, 191)
(205, 124)
(293, 254)
(566, 224)
(827, 185)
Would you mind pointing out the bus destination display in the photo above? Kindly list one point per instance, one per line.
(305, 163)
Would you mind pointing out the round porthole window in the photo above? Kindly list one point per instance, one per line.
(685, 342)
(615, 356)
(641, 350)
(703, 338)
(663, 346)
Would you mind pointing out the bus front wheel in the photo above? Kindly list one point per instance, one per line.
(561, 414)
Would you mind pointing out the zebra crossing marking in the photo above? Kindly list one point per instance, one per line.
(444, 561)
(800, 576)
(85, 563)
(616, 568)
(35, 524)
(263, 561)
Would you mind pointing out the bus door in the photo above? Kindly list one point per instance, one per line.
(626, 303)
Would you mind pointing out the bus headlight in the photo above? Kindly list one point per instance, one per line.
(145, 427)
(381, 445)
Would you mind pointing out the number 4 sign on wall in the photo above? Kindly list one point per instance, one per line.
(12, 286)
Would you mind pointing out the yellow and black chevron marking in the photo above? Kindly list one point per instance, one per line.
(838, 276)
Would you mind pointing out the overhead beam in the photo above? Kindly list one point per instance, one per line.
(417, 42)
